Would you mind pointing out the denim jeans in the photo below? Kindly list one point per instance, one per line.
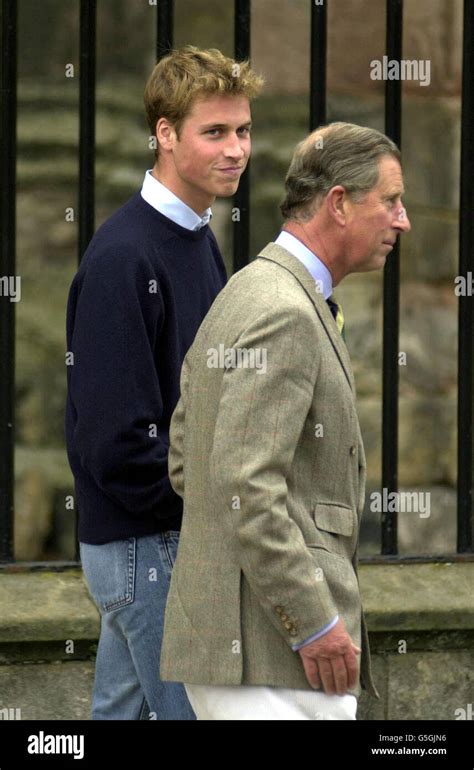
(129, 582)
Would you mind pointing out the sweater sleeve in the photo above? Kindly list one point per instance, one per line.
(218, 257)
(114, 384)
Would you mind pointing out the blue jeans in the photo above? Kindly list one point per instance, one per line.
(129, 582)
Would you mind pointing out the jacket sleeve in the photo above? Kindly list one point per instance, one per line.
(262, 414)
(177, 430)
(114, 384)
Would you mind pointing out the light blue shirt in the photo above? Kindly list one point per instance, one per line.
(315, 636)
(168, 204)
(323, 279)
(318, 270)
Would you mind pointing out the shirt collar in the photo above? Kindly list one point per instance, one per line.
(312, 263)
(168, 204)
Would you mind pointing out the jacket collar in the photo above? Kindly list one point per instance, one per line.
(275, 253)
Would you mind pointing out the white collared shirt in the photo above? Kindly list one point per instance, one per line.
(312, 263)
(168, 204)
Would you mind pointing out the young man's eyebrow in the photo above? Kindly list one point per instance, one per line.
(207, 126)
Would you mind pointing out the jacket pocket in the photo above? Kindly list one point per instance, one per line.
(338, 519)
(335, 528)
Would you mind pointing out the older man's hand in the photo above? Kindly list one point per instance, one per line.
(331, 661)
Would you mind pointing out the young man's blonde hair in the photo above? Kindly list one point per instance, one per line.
(187, 73)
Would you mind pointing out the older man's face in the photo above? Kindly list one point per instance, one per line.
(374, 222)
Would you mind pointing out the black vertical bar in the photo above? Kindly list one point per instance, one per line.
(87, 55)
(242, 196)
(164, 31)
(87, 123)
(317, 92)
(391, 296)
(466, 311)
(7, 268)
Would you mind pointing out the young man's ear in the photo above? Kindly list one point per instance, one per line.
(165, 134)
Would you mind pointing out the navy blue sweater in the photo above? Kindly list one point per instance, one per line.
(135, 305)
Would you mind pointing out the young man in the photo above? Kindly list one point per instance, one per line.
(264, 616)
(146, 281)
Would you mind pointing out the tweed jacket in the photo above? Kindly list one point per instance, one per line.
(266, 451)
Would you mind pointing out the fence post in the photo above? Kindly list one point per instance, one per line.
(466, 300)
(317, 86)
(391, 297)
(87, 55)
(241, 201)
(8, 270)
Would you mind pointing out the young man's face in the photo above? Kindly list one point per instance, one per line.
(211, 153)
(375, 222)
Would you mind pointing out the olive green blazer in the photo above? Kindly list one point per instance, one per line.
(266, 451)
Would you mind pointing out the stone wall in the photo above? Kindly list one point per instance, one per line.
(420, 619)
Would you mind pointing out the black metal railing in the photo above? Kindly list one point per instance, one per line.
(391, 295)
(317, 67)
(466, 310)
(391, 290)
(87, 58)
(241, 224)
(7, 268)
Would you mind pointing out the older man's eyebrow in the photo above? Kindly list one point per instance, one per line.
(394, 194)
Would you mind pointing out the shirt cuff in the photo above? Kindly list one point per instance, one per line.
(315, 636)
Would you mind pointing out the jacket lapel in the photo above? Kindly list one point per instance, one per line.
(282, 257)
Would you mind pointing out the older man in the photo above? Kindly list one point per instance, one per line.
(264, 617)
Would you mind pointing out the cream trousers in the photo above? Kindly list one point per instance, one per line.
(247, 703)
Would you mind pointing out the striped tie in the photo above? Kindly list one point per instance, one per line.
(336, 310)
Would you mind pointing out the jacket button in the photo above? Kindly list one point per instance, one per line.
(352, 450)
(288, 625)
(284, 617)
(279, 610)
(293, 632)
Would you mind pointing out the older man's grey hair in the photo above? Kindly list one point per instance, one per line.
(334, 154)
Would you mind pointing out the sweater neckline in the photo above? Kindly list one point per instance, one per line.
(183, 232)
